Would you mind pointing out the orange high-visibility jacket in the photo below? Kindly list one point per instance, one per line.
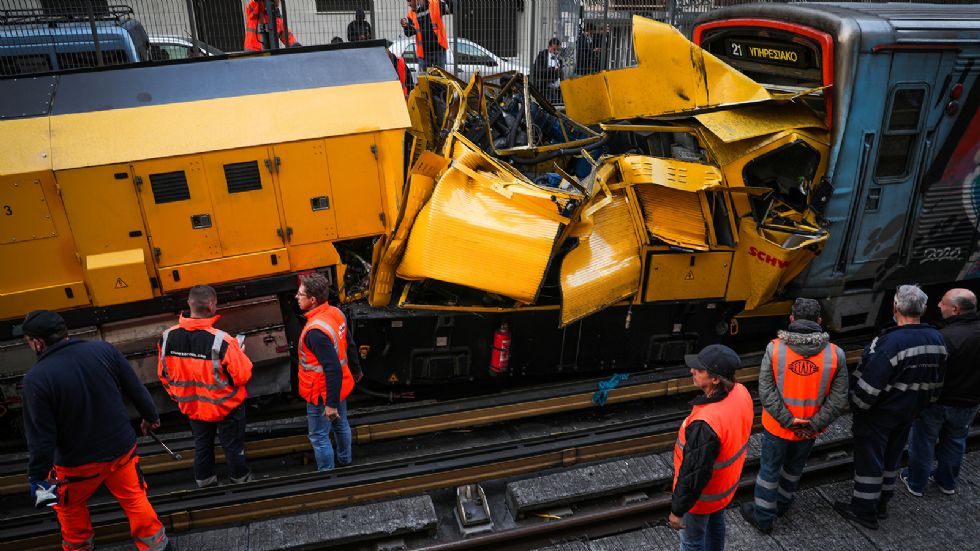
(435, 14)
(803, 384)
(203, 369)
(312, 380)
(731, 419)
(256, 19)
(403, 75)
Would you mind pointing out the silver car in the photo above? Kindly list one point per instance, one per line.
(463, 58)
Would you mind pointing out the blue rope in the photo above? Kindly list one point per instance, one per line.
(600, 396)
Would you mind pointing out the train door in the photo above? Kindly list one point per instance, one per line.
(353, 165)
(894, 168)
(244, 200)
(306, 192)
(177, 207)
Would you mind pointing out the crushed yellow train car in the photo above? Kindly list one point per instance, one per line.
(701, 192)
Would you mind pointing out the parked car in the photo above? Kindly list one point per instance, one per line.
(170, 46)
(464, 57)
(32, 41)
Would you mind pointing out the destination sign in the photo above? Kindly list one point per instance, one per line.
(762, 52)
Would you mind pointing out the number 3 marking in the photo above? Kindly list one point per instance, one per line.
(7, 210)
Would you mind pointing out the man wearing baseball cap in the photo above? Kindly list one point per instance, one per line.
(78, 432)
(710, 449)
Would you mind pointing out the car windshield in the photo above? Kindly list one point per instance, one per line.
(471, 53)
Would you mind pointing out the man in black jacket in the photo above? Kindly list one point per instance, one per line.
(78, 430)
(546, 72)
(948, 420)
(900, 374)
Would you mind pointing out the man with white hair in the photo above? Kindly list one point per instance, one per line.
(948, 421)
(900, 374)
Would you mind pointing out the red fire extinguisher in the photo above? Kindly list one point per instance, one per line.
(500, 357)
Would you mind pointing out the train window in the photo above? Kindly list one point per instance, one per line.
(900, 130)
(169, 187)
(243, 176)
(788, 171)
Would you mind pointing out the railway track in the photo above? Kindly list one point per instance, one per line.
(283, 495)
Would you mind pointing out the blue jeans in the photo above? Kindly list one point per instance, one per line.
(703, 532)
(947, 425)
(319, 432)
(780, 468)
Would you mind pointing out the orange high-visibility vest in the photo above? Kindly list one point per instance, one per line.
(435, 15)
(803, 384)
(312, 381)
(403, 75)
(205, 376)
(731, 419)
(255, 16)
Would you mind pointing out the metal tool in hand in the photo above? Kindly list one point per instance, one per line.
(175, 455)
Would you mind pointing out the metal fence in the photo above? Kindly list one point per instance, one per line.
(485, 35)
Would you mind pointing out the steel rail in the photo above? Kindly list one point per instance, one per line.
(413, 426)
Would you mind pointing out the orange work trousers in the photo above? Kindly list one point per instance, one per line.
(124, 479)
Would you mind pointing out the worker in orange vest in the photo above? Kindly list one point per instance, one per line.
(710, 449)
(803, 388)
(205, 371)
(78, 432)
(326, 374)
(424, 22)
(257, 26)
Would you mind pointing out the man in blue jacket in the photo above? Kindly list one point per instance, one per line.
(78, 432)
(900, 374)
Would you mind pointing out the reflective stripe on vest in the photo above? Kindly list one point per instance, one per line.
(438, 27)
(800, 397)
(828, 366)
(219, 384)
(304, 360)
(731, 420)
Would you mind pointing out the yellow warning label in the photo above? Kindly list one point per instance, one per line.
(120, 284)
(690, 275)
(393, 378)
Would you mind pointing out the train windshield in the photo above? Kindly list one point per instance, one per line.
(780, 56)
(788, 171)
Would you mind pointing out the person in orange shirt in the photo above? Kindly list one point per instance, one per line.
(257, 26)
(710, 449)
(205, 371)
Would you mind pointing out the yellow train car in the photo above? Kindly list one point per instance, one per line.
(121, 188)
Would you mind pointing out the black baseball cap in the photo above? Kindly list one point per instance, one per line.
(715, 358)
(40, 324)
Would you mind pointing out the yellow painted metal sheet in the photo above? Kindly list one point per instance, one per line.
(675, 276)
(390, 251)
(24, 213)
(117, 277)
(483, 215)
(312, 255)
(178, 210)
(766, 260)
(246, 266)
(224, 123)
(307, 203)
(70, 294)
(243, 200)
(353, 165)
(681, 175)
(605, 266)
(673, 76)
(673, 216)
(757, 120)
(26, 145)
